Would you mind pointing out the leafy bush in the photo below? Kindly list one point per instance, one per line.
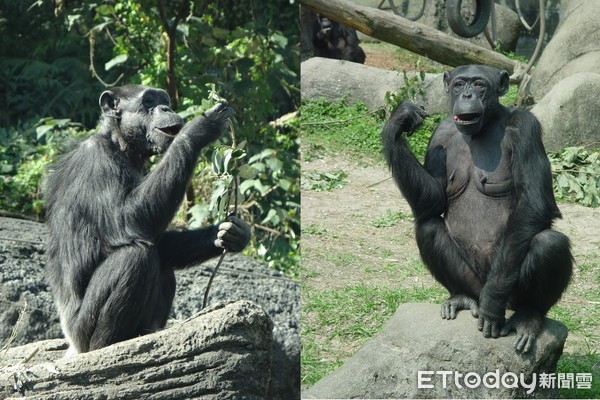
(25, 150)
(327, 181)
(576, 173)
(60, 51)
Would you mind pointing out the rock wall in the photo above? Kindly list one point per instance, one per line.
(22, 262)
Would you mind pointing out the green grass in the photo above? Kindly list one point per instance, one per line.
(390, 218)
(328, 127)
(314, 229)
(576, 364)
(349, 316)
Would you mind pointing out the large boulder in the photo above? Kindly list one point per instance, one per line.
(573, 48)
(569, 112)
(23, 289)
(565, 80)
(337, 79)
(417, 339)
(223, 352)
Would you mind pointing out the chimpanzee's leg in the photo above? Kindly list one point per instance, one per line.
(448, 266)
(544, 276)
(119, 295)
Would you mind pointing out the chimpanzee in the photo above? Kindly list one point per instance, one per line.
(334, 40)
(483, 205)
(110, 255)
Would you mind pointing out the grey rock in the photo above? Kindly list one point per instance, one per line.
(565, 80)
(574, 48)
(240, 278)
(224, 352)
(569, 112)
(337, 79)
(417, 339)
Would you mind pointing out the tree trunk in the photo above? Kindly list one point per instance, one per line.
(223, 352)
(410, 35)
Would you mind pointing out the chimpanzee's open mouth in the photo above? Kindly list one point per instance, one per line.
(171, 130)
(467, 118)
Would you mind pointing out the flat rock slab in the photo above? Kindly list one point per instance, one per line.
(223, 352)
(417, 339)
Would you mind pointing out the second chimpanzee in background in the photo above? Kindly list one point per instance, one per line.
(334, 40)
(110, 255)
(483, 205)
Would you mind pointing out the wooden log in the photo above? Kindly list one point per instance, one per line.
(410, 35)
(223, 352)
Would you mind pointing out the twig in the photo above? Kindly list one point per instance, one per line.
(93, 69)
(235, 206)
(15, 330)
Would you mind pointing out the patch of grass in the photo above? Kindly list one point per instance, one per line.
(340, 259)
(320, 181)
(332, 126)
(328, 127)
(390, 218)
(314, 365)
(578, 364)
(314, 229)
(346, 318)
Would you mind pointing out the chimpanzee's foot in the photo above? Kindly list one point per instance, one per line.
(528, 325)
(456, 303)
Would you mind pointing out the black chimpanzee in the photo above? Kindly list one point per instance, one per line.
(334, 40)
(484, 205)
(110, 255)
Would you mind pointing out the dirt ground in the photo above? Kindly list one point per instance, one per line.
(341, 247)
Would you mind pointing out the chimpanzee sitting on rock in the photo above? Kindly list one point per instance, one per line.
(484, 205)
(110, 255)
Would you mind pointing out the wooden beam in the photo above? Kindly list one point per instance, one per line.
(413, 36)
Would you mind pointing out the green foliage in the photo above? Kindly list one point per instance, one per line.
(331, 126)
(412, 88)
(390, 218)
(59, 51)
(576, 173)
(25, 151)
(320, 181)
(349, 315)
(43, 71)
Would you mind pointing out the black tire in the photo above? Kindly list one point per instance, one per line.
(459, 25)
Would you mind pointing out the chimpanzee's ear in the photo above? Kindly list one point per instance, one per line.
(503, 83)
(108, 101)
(447, 81)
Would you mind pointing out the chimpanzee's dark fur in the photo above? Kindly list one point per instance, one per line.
(110, 255)
(484, 205)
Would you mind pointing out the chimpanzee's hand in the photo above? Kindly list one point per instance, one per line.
(233, 234)
(406, 117)
(219, 112)
(211, 125)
